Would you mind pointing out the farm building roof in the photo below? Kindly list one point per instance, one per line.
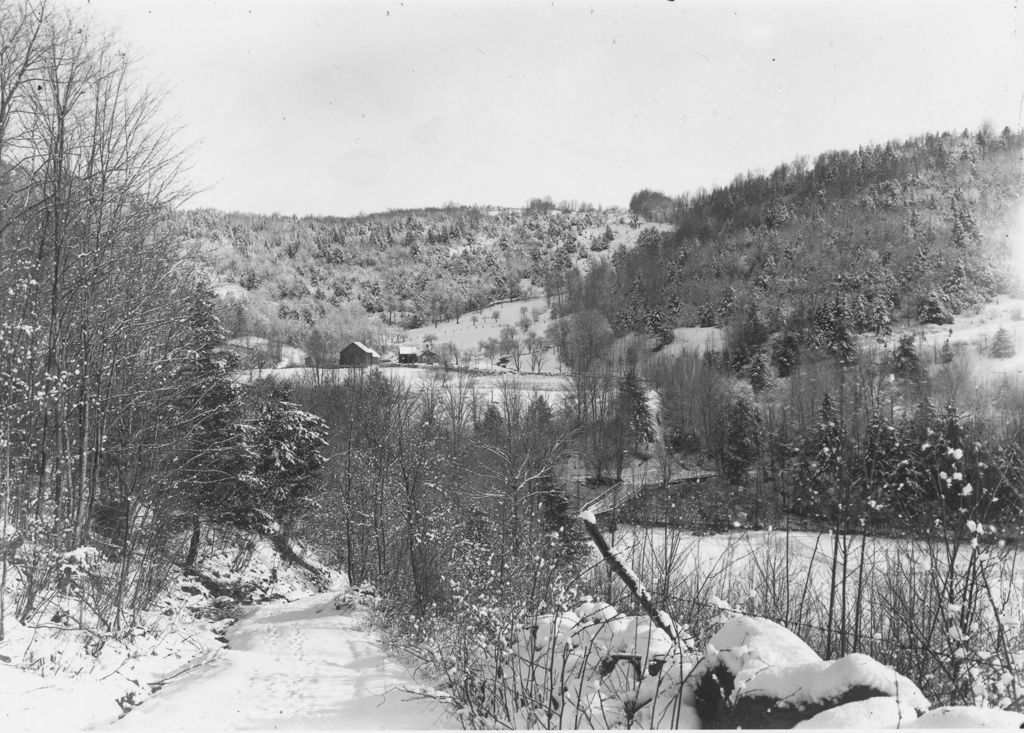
(365, 348)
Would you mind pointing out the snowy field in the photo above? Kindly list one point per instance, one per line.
(696, 338)
(805, 579)
(488, 384)
(742, 554)
(971, 336)
(466, 334)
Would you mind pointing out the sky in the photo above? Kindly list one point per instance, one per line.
(317, 107)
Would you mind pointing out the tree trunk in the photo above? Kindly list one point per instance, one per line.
(193, 545)
(629, 578)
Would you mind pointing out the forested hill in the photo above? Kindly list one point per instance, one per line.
(286, 276)
(918, 229)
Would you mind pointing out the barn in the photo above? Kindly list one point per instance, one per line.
(357, 354)
(407, 355)
(428, 357)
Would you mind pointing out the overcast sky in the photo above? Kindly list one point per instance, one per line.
(340, 107)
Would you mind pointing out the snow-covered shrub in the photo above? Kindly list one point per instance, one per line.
(947, 616)
(589, 667)
(594, 667)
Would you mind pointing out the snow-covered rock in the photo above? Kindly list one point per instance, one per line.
(759, 674)
(886, 712)
(967, 717)
(875, 712)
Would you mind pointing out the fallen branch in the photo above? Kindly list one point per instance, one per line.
(661, 619)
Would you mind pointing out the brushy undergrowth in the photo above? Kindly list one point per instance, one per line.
(946, 615)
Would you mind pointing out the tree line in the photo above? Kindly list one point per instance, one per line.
(121, 426)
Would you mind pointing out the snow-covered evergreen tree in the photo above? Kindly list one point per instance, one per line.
(216, 460)
(742, 440)
(946, 352)
(905, 360)
(633, 401)
(287, 441)
(1002, 345)
(786, 354)
(934, 309)
(760, 372)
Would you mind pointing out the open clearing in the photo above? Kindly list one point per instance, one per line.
(488, 384)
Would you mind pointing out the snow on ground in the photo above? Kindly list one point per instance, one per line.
(970, 335)
(302, 665)
(738, 550)
(487, 383)
(889, 713)
(696, 338)
(32, 703)
(967, 717)
(63, 669)
(72, 678)
(626, 236)
(289, 355)
(467, 335)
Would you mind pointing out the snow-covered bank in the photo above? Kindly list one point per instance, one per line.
(61, 678)
(63, 668)
(306, 664)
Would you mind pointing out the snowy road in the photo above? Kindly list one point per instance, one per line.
(298, 665)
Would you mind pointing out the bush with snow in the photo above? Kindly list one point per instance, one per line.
(594, 667)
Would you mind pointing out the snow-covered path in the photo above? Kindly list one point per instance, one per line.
(293, 665)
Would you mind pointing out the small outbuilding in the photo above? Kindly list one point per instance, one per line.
(428, 357)
(357, 354)
(407, 355)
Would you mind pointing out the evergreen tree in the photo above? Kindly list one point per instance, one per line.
(860, 313)
(957, 289)
(288, 459)
(923, 420)
(491, 424)
(742, 440)
(835, 329)
(946, 352)
(906, 362)
(822, 461)
(786, 354)
(829, 410)
(959, 235)
(215, 463)
(1002, 345)
(633, 403)
(879, 319)
(952, 427)
(760, 372)
(965, 226)
(934, 310)
(539, 415)
(631, 316)
(660, 327)
(707, 314)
